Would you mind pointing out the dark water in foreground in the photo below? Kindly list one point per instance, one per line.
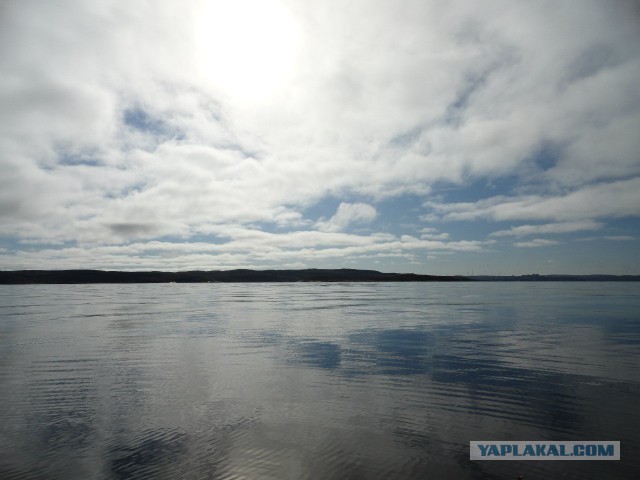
(316, 381)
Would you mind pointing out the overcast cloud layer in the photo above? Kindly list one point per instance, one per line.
(421, 136)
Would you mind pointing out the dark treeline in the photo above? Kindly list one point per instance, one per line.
(248, 276)
(555, 278)
(309, 275)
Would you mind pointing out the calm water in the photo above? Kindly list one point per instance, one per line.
(315, 381)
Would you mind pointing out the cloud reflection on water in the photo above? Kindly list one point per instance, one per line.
(202, 386)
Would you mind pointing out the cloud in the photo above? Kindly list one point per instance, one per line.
(538, 242)
(238, 247)
(566, 227)
(348, 214)
(431, 233)
(612, 199)
(131, 229)
(125, 122)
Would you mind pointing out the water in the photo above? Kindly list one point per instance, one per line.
(317, 381)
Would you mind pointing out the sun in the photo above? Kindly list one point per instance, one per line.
(246, 48)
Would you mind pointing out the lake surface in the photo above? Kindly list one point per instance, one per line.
(314, 381)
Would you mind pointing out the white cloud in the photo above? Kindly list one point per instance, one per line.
(346, 215)
(538, 242)
(438, 236)
(122, 123)
(565, 227)
(431, 233)
(614, 199)
(237, 247)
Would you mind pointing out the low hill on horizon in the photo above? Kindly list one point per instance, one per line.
(23, 277)
(226, 276)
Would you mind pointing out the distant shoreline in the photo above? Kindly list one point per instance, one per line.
(25, 277)
(216, 276)
(555, 278)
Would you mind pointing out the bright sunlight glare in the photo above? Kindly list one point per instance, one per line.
(246, 48)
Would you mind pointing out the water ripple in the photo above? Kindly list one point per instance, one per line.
(312, 381)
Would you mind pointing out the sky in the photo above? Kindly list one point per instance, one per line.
(457, 137)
